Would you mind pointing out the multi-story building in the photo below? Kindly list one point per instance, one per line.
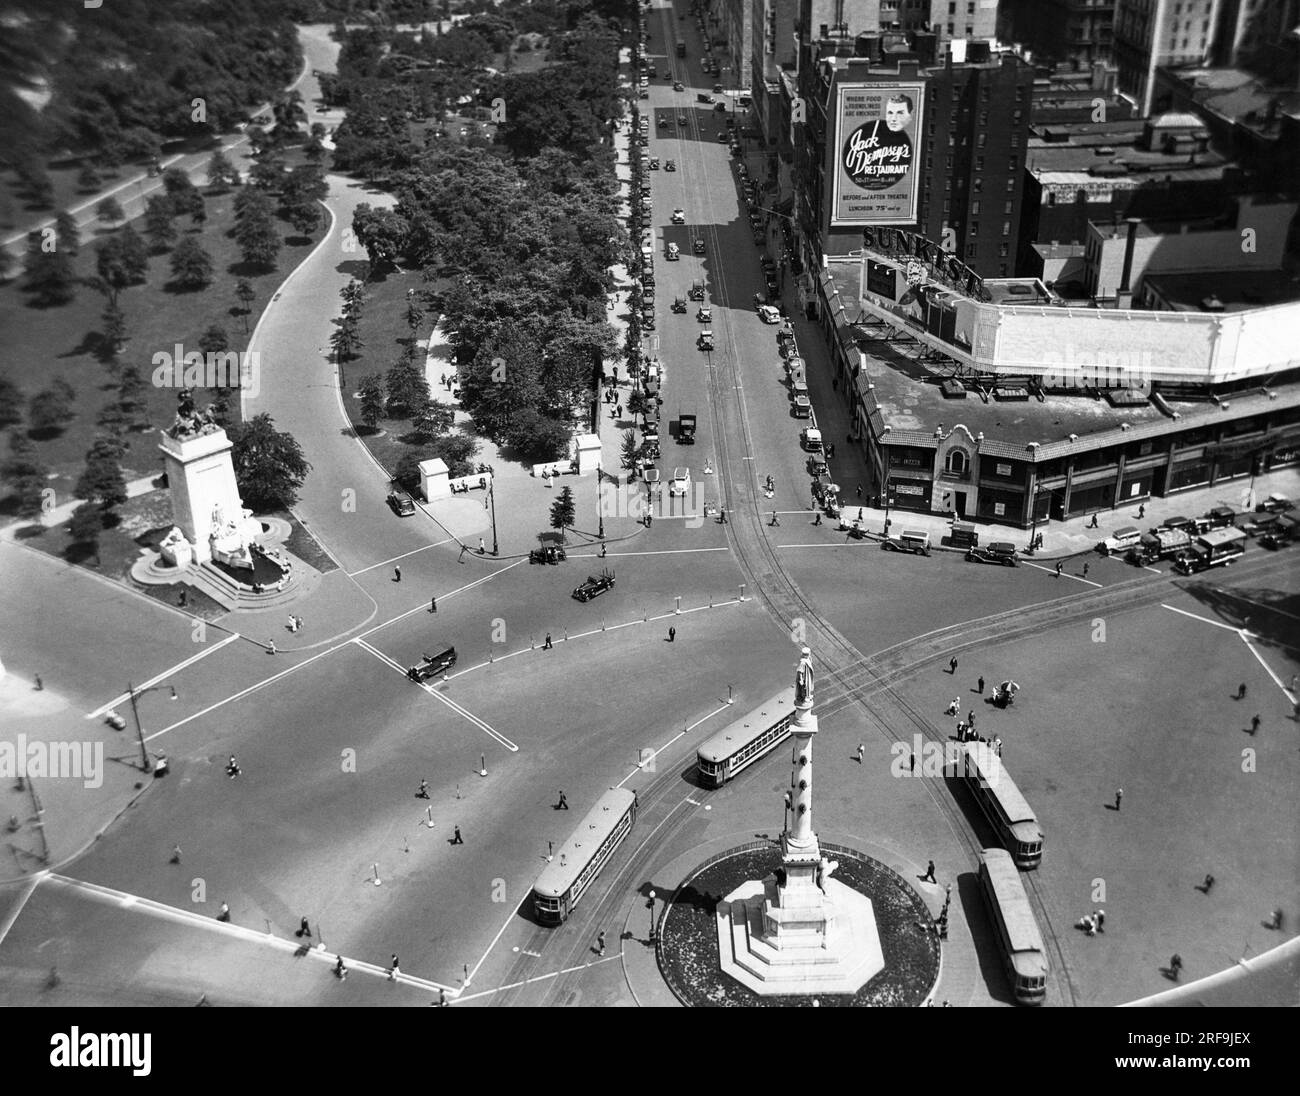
(1078, 31)
(1150, 34)
(968, 124)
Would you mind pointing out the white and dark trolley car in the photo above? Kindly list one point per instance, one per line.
(580, 859)
(1002, 804)
(745, 740)
(1019, 940)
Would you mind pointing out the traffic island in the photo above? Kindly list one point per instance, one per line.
(687, 949)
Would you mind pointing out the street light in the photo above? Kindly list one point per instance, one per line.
(132, 692)
(600, 510)
(888, 500)
(650, 905)
(492, 501)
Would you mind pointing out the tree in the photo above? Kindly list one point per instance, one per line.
(11, 399)
(345, 340)
(159, 223)
(245, 294)
(408, 391)
(214, 340)
(456, 450)
(267, 175)
(258, 241)
(537, 437)
(191, 265)
(638, 402)
(304, 217)
(89, 179)
(382, 232)
(112, 266)
(563, 510)
(135, 254)
(102, 482)
(354, 296)
(25, 475)
(86, 525)
(67, 233)
(222, 174)
(269, 465)
(414, 313)
(628, 449)
(49, 411)
(374, 403)
(50, 277)
(432, 418)
(132, 398)
(114, 328)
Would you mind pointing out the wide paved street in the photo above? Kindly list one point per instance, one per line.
(1127, 678)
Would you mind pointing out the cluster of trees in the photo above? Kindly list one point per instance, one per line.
(124, 75)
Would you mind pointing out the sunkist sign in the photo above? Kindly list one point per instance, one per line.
(911, 245)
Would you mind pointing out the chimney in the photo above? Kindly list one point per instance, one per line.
(1133, 223)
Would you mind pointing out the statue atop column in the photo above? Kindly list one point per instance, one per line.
(190, 422)
(803, 680)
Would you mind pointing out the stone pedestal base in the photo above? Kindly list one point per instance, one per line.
(840, 959)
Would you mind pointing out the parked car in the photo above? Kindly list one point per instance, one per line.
(550, 553)
(679, 217)
(1000, 552)
(680, 483)
(401, 504)
(768, 314)
(1121, 540)
(1279, 535)
(909, 540)
(817, 465)
(673, 254)
(678, 86)
(1274, 504)
(670, 165)
(594, 586)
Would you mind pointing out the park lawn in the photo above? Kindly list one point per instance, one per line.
(43, 344)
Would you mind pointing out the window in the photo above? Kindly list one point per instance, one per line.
(1011, 184)
(970, 31)
(1015, 140)
(1004, 470)
(979, 163)
(947, 206)
(952, 9)
(980, 140)
(975, 208)
(1011, 164)
(1004, 250)
(1002, 269)
(1020, 94)
(1007, 208)
(949, 165)
(947, 184)
(1006, 228)
(950, 30)
(984, 117)
(970, 251)
(978, 185)
(974, 228)
(929, 166)
(957, 462)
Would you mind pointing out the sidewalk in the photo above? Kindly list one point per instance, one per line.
(1062, 539)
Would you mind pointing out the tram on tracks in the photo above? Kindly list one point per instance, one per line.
(1019, 940)
(1003, 805)
(580, 859)
(745, 740)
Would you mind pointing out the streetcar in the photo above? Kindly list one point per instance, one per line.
(1019, 940)
(745, 740)
(579, 860)
(1002, 804)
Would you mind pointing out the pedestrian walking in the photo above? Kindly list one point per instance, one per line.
(1276, 922)
(40, 685)
(563, 804)
(433, 604)
(672, 635)
(1099, 916)
(176, 854)
(1175, 965)
(859, 490)
(980, 685)
(184, 598)
(775, 520)
(1291, 685)
(304, 928)
(1209, 882)
(818, 519)
(1085, 570)
(619, 412)
(232, 768)
(394, 969)
(456, 838)
(1254, 724)
(340, 969)
(1241, 690)
(952, 665)
(423, 793)
(1119, 797)
(1093, 524)
(970, 718)
(223, 914)
(482, 548)
(911, 763)
(862, 748)
(1058, 568)
(547, 645)
(397, 574)
(1142, 510)
(600, 943)
(928, 877)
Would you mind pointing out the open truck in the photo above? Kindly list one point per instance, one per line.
(686, 430)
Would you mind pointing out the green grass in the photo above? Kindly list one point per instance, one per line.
(42, 344)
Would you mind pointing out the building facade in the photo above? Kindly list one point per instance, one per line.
(1150, 34)
(1078, 31)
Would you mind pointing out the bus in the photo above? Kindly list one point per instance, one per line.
(580, 858)
(1002, 804)
(745, 740)
(1219, 546)
(1019, 940)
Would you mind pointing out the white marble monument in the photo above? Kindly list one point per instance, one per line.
(799, 931)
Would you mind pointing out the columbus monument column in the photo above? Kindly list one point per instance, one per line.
(799, 931)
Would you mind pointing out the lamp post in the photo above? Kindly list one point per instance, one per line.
(888, 500)
(600, 510)
(1033, 528)
(492, 502)
(132, 693)
(650, 905)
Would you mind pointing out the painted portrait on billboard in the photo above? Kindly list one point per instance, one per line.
(876, 154)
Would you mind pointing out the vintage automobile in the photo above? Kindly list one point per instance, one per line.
(680, 483)
(697, 291)
(548, 553)
(670, 165)
(681, 119)
(1274, 504)
(679, 217)
(673, 254)
(697, 245)
(654, 163)
(433, 665)
(1000, 552)
(402, 506)
(594, 586)
(909, 540)
(678, 86)
(1121, 540)
(816, 464)
(1279, 535)
(768, 314)
(679, 305)
(704, 314)
(705, 341)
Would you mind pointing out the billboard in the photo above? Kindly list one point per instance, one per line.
(875, 153)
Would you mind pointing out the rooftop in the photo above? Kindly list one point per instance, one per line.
(1238, 95)
(1236, 290)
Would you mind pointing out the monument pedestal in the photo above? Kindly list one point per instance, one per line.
(206, 506)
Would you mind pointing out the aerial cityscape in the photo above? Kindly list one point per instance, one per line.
(596, 503)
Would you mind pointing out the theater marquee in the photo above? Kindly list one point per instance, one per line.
(876, 154)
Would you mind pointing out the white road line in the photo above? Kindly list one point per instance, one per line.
(1246, 638)
(680, 734)
(422, 608)
(124, 697)
(457, 708)
(671, 552)
(1202, 619)
(29, 890)
(538, 977)
(124, 900)
(404, 555)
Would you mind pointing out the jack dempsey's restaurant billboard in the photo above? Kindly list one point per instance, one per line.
(876, 154)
